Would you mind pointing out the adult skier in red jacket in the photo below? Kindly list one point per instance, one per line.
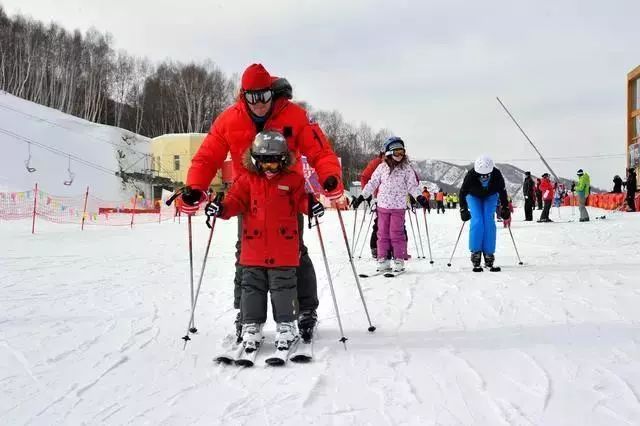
(546, 187)
(233, 131)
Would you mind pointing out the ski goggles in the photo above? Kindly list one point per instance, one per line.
(253, 97)
(271, 163)
(274, 158)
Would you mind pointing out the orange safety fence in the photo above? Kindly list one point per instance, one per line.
(605, 201)
(83, 209)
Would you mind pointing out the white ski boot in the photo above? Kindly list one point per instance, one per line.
(251, 336)
(384, 265)
(398, 265)
(286, 333)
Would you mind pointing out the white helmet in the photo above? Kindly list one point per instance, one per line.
(483, 165)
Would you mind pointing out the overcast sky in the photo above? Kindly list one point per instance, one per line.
(428, 70)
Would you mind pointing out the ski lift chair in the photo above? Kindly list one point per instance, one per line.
(71, 174)
(27, 163)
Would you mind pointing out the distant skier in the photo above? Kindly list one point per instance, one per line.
(506, 223)
(482, 187)
(529, 191)
(538, 194)
(394, 179)
(617, 185)
(427, 195)
(559, 194)
(547, 197)
(632, 185)
(269, 198)
(582, 191)
(440, 201)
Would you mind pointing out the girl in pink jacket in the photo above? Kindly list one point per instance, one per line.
(394, 178)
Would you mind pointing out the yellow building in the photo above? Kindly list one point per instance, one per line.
(633, 118)
(172, 154)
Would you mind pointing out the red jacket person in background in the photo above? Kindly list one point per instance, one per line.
(234, 130)
(546, 188)
(365, 177)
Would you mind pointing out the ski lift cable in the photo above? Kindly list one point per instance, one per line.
(35, 117)
(58, 152)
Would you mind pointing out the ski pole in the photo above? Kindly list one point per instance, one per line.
(353, 268)
(194, 299)
(415, 216)
(426, 227)
(326, 266)
(192, 327)
(413, 232)
(456, 246)
(514, 246)
(355, 244)
(366, 235)
(175, 195)
(355, 222)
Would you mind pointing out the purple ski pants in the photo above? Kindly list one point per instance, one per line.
(391, 232)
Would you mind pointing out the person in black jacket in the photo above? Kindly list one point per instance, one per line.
(538, 194)
(617, 185)
(529, 191)
(632, 185)
(481, 188)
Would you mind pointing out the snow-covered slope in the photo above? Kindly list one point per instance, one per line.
(449, 176)
(90, 327)
(53, 135)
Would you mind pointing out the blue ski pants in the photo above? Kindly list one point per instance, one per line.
(482, 231)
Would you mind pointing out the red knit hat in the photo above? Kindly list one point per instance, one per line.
(255, 77)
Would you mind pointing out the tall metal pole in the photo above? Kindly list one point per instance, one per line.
(527, 137)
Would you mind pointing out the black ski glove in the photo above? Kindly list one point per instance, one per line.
(213, 209)
(316, 209)
(356, 203)
(413, 204)
(192, 196)
(505, 213)
(465, 215)
(330, 184)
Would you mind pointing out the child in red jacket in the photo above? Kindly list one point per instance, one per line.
(269, 199)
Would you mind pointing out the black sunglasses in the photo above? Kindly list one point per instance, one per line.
(269, 158)
(253, 97)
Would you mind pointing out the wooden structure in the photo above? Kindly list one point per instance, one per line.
(633, 119)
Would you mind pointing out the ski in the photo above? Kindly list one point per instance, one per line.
(248, 358)
(231, 350)
(495, 269)
(303, 353)
(394, 274)
(374, 274)
(477, 269)
(230, 356)
(281, 355)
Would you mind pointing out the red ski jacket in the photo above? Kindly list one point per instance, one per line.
(546, 187)
(234, 130)
(269, 209)
(365, 177)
